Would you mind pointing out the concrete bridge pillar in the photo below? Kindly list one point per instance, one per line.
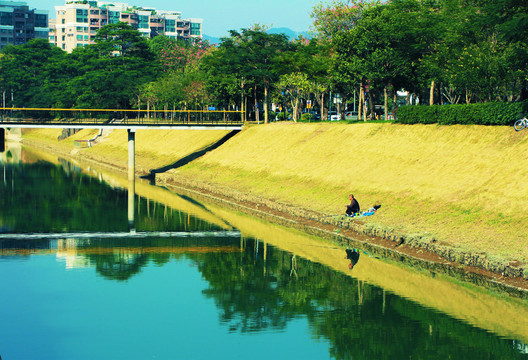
(131, 178)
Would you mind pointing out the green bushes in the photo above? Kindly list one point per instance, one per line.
(496, 113)
(307, 117)
(283, 116)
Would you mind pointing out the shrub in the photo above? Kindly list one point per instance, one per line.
(283, 115)
(496, 113)
(306, 117)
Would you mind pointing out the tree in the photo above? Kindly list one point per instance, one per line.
(113, 69)
(385, 46)
(33, 74)
(295, 88)
(312, 58)
(177, 54)
(249, 57)
(482, 55)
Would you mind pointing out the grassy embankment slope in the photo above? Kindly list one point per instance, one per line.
(463, 185)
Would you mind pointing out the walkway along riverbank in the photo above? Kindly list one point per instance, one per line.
(433, 195)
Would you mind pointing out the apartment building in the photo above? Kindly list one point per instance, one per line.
(19, 24)
(77, 22)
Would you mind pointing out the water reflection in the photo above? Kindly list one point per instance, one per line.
(62, 199)
(259, 288)
(261, 278)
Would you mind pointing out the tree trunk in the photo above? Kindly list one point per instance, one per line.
(371, 105)
(139, 107)
(468, 96)
(296, 110)
(256, 104)
(431, 93)
(360, 101)
(148, 109)
(242, 103)
(245, 108)
(385, 103)
(266, 119)
(322, 106)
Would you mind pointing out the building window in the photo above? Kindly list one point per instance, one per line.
(170, 25)
(143, 22)
(113, 17)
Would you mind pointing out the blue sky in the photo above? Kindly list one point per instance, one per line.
(220, 16)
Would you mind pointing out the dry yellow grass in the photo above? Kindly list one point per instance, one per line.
(154, 148)
(465, 185)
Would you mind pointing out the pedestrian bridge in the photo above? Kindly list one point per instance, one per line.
(120, 119)
(130, 120)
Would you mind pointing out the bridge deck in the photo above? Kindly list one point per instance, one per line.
(124, 126)
(120, 119)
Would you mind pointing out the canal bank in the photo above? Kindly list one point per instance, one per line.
(443, 189)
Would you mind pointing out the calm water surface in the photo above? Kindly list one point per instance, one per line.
(189, 284)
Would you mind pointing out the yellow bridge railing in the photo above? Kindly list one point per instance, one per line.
(117, 117)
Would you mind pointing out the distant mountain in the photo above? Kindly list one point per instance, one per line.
(212, 40)
(286, 31)
(289, 33)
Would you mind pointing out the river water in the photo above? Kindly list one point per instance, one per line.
(198, 281)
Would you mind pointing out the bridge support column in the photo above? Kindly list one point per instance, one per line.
(131, 178)
(2, 139)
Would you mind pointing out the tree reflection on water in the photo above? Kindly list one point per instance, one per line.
(256, 287)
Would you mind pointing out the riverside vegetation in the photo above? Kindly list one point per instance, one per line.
(456, 190)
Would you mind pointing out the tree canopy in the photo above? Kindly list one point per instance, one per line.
(438, 51)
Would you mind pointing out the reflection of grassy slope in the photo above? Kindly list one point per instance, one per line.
(464, 184)
(359, 321)
(507, 317)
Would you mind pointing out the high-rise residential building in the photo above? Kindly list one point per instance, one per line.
(78, 21)
(19, 24)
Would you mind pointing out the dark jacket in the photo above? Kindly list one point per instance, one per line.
(353, 207)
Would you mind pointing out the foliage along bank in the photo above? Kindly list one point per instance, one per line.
(493, 113)
(438, 51)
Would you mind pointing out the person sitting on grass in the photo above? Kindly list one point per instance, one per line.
(353, 208)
